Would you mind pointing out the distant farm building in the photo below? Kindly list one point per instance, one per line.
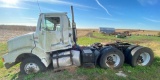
(107, 30)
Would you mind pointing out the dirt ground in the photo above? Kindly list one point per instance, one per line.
(9, 32)
(6, 34)
(84, 32)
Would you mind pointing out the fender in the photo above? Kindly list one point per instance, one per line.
(42, 55)
(10, 58)
(102, 51)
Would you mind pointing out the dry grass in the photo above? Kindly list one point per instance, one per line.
(154, 45)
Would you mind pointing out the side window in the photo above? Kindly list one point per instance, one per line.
(49, 25)
(52, 23)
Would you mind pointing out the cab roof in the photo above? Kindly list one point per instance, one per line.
(55, 13)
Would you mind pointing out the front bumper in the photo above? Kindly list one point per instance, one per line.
(6, 61)
(8, 65)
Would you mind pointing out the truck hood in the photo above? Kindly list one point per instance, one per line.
(22, 41)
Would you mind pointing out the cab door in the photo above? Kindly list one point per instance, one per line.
(57, 33)
(39, 35)
(53, 33)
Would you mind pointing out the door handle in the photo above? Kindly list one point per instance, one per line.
(70, 34)
(60, 39)
(31, 39)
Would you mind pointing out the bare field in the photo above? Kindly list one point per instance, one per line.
(9, 31)
(140, 32)
(6, 34)
(84, 32)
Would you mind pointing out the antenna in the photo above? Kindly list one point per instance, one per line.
(38, 6)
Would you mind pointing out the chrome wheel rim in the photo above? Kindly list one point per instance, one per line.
(31, 68)
(112, 60)
(143, 59)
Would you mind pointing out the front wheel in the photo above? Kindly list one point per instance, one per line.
(31, 65)
(113, 59)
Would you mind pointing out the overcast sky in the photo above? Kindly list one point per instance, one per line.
(124, 14)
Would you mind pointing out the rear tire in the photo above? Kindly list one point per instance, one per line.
(32, 65)
(141, 56)
(113, 59)
(127, 52)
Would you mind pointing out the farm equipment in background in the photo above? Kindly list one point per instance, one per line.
(126, 33)
(123, 34)
(54, 42)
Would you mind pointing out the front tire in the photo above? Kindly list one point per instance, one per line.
(32, 65)
(113, 59)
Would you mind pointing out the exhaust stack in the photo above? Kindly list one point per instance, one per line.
(74, 27)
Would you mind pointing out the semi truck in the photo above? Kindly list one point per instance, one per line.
(54, 42)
